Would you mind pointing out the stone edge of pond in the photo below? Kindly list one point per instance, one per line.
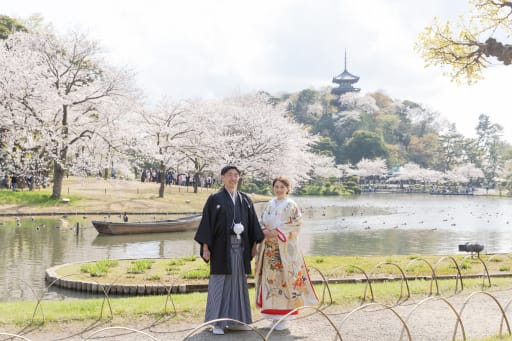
(93, 287)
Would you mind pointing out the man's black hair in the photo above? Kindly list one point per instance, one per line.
(225, 169)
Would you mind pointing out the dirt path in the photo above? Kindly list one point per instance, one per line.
(433, 320)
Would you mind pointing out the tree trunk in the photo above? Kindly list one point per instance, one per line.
(161, 190)
(58, 170)
(58, 177)
(196, 182)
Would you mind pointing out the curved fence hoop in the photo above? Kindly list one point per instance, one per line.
(39, 298)
(15, 335)
(325, 287)
(404, 279)
(368, 282)
(417, 306)
(433, 273)
(168, 289)
(458, 276)
(104, 287)
(207, 323)
(486, 271)
(505, 308)
(168, 297)
(105, 294)
(106, 291)
(283, 318)
(404, 324)
(121, 328)
(503, 313)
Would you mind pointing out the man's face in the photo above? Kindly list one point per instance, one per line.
(230, 178)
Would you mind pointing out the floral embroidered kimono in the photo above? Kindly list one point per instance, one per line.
(281, 279)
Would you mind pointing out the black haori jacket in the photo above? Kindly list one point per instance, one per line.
(215, 230)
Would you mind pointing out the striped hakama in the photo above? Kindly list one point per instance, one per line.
(228, 295)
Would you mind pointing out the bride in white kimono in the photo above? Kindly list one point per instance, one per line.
(282, 280)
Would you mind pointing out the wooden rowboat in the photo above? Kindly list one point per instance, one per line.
(173, 225)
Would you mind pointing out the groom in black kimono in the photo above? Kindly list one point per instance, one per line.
(228, 233)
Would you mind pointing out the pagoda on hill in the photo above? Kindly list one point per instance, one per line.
(345, 81)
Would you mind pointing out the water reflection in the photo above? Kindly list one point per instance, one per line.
(371, 224)
(177, 244)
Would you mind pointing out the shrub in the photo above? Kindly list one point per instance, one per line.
(504, 268)
(350, 269)
(257, 186)
(176, 262)
(197, 274)
(155, 277)
(465, 265)
(140, 266)
(99, 268)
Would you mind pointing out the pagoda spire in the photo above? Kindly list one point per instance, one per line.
(345, 60)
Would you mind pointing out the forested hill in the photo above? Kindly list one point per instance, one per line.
(374, 125)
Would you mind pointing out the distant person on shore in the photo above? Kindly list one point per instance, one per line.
(228, 233)
(14, 182)
(281, 278)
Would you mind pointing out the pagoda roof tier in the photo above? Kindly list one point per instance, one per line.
(345, 77)
(344, 89)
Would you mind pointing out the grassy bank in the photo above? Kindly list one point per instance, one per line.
(40, 198)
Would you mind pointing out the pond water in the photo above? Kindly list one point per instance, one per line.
(370, 224)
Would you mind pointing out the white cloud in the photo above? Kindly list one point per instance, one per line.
(201, 48)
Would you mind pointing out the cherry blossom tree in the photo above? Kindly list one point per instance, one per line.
(202, 147)
(346, 169)
(469, 172)
(412, 171)
(367, 167)
(57, 96)
(353, 106)
(163, 135)
(261, 138)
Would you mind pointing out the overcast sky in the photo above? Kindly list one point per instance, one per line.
(213, 49)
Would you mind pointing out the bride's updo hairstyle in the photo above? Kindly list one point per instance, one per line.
(284, 180)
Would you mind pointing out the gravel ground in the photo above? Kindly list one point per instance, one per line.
(426, 319)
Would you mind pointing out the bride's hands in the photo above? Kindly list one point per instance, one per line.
(270, 234)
